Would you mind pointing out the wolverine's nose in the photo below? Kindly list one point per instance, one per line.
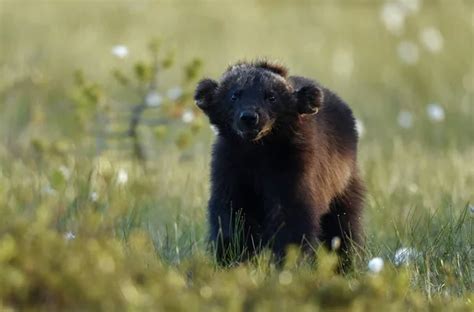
(249, 118)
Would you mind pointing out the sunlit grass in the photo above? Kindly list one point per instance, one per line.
(89, 229)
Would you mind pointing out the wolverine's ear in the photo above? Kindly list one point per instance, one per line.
(309, 99)
(204, 93)
(309, 95)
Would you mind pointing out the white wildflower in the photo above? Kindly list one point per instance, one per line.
(410, 6)
(174, 93)
(432, 39)
(393, 16)
(153, 99)
(343, 63)
(403, 256)
(93, 196)
(405, 119)
(435, 112)
(120, 51)
(375, 265)
(69, 236)
(48, 190)
(285, 277)
(408, 52)
(360, 127)
(122, 176)
(65, 172)
(214, 129)
(471, 210)
(188, 116)
(335, 243)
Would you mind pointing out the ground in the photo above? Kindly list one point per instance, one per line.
(88, 231)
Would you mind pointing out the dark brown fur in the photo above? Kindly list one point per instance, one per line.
(290, 178)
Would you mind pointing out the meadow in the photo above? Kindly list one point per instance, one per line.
(104, 159)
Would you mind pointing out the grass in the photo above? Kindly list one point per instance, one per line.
(76, 236)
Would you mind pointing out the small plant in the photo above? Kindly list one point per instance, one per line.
(97, 110)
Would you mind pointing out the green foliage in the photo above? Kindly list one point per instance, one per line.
(94, 111)
(192, 70)
(85, 227)
(107, 235)
(143, 72)
(120, 77)
(39, 266)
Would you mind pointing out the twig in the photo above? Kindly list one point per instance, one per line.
(137, 112)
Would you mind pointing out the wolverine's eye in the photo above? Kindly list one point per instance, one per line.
(271, 98)
(235, 96)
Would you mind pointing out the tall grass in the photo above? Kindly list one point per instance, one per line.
(81, 229)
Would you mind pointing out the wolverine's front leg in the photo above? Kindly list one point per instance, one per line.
(233, 228)
(292, 217)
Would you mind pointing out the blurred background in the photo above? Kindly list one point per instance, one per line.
(100, 138)
(402, 65)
